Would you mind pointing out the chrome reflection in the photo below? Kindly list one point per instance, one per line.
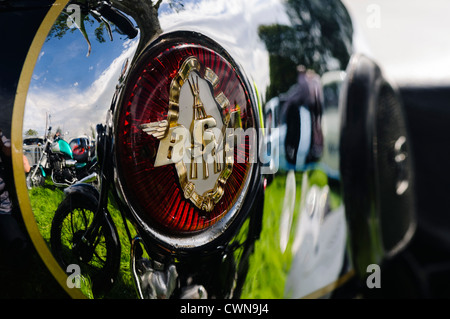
(293, 52)
(84, 59)
(319, 245)
(302, 122)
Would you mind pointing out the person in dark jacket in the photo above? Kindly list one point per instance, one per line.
(307, 92)
(299, 96)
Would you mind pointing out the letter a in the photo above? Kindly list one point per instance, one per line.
(374, 279)
(374, 19)
(74, 19)
(73, 280)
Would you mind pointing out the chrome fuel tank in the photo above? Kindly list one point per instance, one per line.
(316, 207)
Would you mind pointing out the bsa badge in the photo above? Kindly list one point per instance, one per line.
(197, 135)
(184, 138)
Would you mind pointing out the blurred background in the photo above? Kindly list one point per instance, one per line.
(409, 40)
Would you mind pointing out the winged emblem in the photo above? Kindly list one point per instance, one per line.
(156, 129)
(189, 133)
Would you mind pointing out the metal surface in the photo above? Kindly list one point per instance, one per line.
(290, 60)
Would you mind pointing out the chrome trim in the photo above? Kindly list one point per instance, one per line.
(151, 283)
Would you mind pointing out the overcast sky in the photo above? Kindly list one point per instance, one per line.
(409, 38)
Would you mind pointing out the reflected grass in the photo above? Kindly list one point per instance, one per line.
(269, 266)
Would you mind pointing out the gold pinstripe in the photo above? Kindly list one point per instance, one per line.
(17, 150)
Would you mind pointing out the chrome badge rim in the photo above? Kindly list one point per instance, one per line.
(205, 89)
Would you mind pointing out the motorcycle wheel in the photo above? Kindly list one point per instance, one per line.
(100, 263)
(38, 179)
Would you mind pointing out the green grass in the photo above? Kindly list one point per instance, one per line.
(44, 202)
(269, 266)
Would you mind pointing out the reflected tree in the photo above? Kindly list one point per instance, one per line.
(31, 132)
(60, 28)
(319, 37)
(144, 13)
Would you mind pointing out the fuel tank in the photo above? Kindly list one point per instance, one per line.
(61, 147)
(324, 192)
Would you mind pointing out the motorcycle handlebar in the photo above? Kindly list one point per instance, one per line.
(119, 19)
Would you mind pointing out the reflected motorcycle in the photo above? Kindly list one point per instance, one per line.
(58, 162)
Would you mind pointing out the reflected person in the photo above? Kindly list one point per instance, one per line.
(305, 93)
(13, 243)
(315, 106)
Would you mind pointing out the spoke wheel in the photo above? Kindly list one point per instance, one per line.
(98, 259)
